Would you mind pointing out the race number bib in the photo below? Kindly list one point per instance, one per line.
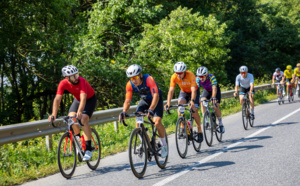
(140, 120)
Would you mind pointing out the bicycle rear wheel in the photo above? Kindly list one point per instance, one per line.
(66, 156)
(245, 115)
(181, 138)
(196, 145)
(137, 153)
(207, 128)
(161, 162)
(96, 146)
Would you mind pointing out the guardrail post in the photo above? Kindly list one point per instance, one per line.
(116, 126)
(49, 142)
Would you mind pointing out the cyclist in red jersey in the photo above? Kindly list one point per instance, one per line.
(151, 100)
(83, 105)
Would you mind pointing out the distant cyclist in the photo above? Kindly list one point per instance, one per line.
(278, 76)
(151, 100)
(83, 105)
(296, 76)
(288, 76)
(188, 92)
(211, 90)
(246, 82)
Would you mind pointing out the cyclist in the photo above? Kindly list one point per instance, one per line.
(189, 91)
(246, 81)
(296, 76)
(288, 76)
(278, 76)
(151, 99)
(211, 90)
(83, 105)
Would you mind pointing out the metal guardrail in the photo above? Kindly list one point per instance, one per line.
(28, 130)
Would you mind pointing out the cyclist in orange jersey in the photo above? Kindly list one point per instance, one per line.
(188, 92)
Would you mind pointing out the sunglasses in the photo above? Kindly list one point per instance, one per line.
(243, 72)
(73, 77)
(179, 73)
(134, 78)
(201, 76)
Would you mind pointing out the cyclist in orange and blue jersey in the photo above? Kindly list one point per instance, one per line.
(211, 90)
(188, 92)
(151, 100)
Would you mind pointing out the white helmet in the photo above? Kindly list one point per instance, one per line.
(69, 70)
(133, 70)
(202, 71)
(179, 67)
(243, 69)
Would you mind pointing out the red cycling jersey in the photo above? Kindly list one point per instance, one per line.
(82, 87)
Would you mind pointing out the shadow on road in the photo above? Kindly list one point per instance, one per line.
(278, 124)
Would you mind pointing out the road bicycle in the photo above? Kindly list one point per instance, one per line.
(298, 87)
(142, 148)
(246, 114)
(69, 147)
(291, 94)
(185, 132)
(210, 123)
(280, 93)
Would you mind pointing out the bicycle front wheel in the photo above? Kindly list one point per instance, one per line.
(181, 137)
(96, 146)
(137, 153)
(245, 115)
(161, 162)
(207, 129)
(66, 156)
(218, 132)
(196, 145)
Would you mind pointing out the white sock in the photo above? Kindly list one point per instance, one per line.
(163, 141)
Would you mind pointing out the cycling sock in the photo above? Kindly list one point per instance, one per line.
(163, 141)
(88, 145)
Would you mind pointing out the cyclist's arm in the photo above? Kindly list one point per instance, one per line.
(128, 97)
(154, 101)
(194, 93)
(126, 105)
(214, 91)
(251, 87)
(81, 105)
(56, 103)
(273, 78)
(170, 95)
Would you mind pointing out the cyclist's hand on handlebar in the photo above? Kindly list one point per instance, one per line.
(79, 115)
(150, 113)
(235, 94)
(122, 116)
(167, 107)
(50, 118)
(214, 100)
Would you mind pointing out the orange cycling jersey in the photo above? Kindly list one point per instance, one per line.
(186, 83)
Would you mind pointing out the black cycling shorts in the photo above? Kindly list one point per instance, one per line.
(158, 111)
(245, 90)
(89, 108)
(187, 97)
(207, 94)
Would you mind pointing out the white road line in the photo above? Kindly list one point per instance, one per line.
(186, 170)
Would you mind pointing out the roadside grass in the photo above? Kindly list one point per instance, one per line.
(28, 160)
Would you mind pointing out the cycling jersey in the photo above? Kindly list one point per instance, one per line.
(297, 72)
(278, 77)
(288, 75)
(244, 82)
(208, 83)
(186, 83)
(82, 87)
(145, 90)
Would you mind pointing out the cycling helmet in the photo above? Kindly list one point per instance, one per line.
(133, 70)
(243, 69)
(277, 69)
(289, 67)
(179, 67)
(298, 64)
(202, 71)
(69, 70)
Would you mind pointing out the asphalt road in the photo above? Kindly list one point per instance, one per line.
(267, 154)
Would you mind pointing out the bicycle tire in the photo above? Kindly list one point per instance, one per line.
(65, 161)
(207, 128)
(137, 151)
(96, 145)
(196, 145)
(244, 115)
(161, 162)
(218, 132)
(181, 140)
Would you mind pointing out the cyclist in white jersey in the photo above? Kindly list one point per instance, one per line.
(246, 82)
(278, 76)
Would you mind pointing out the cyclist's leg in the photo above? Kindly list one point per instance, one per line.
(217, 108)
(196, 114)
(287, 86)
(251, 98)
(72, 112)
(204, 96)
(141, 107)
(242, 93)
(182, 99)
